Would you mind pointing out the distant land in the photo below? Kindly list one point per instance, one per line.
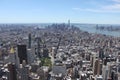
(106, 29)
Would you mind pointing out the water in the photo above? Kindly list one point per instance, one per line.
(91, 28)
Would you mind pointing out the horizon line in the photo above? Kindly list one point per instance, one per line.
(59, 23)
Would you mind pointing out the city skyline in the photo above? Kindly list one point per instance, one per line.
(60, 11)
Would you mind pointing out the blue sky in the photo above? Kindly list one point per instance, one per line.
(59, 11)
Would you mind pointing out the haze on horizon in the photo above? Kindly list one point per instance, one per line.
(50, 11)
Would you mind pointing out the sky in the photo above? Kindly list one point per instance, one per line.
(60, 11)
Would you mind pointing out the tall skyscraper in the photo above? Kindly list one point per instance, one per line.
(29, 40)
(12, 71)
(96, 67)
(30, 56)
(12, 57)
(92, 59)
(38, 47)
(53, 54)
(68, 23)
(22, 53)
(100, 67)
(101, 54)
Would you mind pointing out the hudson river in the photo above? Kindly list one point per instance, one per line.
(92, 29)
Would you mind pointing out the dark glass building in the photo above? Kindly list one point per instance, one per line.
(29, 41)
(22, 53)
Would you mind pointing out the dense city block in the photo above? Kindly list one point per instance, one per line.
(57, 52)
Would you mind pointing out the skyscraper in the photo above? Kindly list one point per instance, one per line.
(29, 40)
(95, 67)
(101, 54)
(68, 23)
(12, 71)
(12, 57)
(22, 53)
(24, 72)
(30, 56)
(38, 48)
(105, 72)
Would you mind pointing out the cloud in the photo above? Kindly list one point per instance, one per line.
(116, 1)
(114, 7)
(97, 10)
(87, 10)
(111, 8)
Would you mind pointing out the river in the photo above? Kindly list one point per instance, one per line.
(91, 28)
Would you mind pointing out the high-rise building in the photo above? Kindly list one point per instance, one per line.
(53, 54)
(30, 56)
(96, 67)
(92, 59)
(29, 40)
(12, 72)
(22, 53)
(105, 72)
(101, 54)
(68, 23)
(38, 53)
(12, 57)
(100, 67)
(24, 72)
